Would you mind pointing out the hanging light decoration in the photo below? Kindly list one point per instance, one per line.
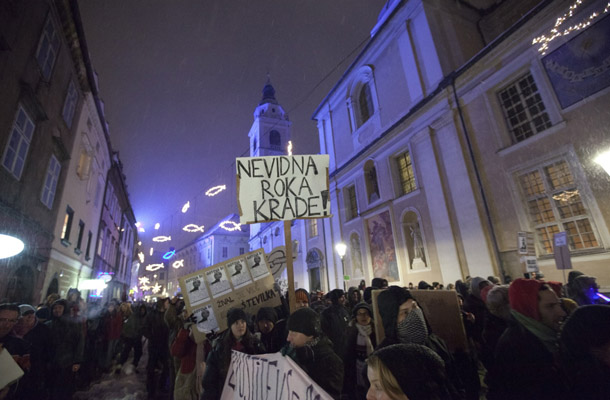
(143, 280)
(156, 288)
(151, 251)
(169, 254)
(157, 226)
(230, 226)
(215, 190)
(193, 228)
(141, 257)
(178, 264)
(161, 239)
(186, 207)
(154, 267)
(290, 147)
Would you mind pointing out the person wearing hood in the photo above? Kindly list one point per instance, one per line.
(273, 331)
(585, 291)
(237, 338)
(67, 353)
(353, 297)
(131, 334)
(157, 333)
(38, 336)
(361, 342)
(335, 320)
(525, 360)
(313, 352)
(404, 322)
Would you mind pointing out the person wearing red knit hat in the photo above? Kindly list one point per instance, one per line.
(526, 355)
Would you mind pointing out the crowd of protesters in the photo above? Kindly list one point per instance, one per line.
(526, 339)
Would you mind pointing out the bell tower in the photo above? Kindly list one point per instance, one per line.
(270, 131)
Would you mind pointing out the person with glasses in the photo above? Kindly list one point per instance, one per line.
(18, 348)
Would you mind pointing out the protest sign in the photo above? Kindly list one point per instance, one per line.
(442, 312)
(268, 376)
(282, 188)
(277, 261)
(242, 282)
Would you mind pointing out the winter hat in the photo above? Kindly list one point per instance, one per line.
(306, 321)
(388, 303)
(25, 309)
(235, 314)
(573, 275)
(361, 306)
(497, 301)
(379, 283)
(475, 286)
(266, 314)
(43, 313)
(418, 370)
(423, 285)
(523, 295)
(302, 295)
(334, 295)
(588, 327)
(368, 294)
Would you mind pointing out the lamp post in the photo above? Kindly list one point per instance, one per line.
(341, 249)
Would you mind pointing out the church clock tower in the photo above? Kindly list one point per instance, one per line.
(270, 131)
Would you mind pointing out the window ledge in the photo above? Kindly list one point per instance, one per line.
(532, 139)
(65, 243)
(582, 256)
(78, 251)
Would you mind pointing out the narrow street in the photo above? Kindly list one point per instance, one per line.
(127, 385)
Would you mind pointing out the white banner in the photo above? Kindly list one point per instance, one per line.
(268, 376)
(282, 188)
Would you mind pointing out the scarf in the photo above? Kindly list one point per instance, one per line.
(413, 328)
(364, 337)
(546, 335)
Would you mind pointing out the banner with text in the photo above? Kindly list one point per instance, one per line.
(268, 376)
(244, 282)
(282, 188)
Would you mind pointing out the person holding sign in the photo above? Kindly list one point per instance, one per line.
(237, 338)
(313, 352)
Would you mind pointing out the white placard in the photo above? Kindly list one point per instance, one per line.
(282, 188)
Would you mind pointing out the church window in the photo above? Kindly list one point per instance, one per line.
(365, 103)
(275, 139)
(405, 173)
(352, 202)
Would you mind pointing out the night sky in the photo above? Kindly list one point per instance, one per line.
(181, 79)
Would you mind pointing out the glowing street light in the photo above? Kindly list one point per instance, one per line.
(10, 246)
(604, 161)
(341, 249)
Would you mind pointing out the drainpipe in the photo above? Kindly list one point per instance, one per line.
(490, 226)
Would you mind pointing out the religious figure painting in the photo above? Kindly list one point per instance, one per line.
(381, 243)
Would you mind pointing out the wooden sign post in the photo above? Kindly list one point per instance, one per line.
(283, 188)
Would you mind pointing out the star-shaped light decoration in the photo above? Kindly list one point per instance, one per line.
(143, 280)
(144, 288)
(156, 288)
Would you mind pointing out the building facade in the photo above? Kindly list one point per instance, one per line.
(451, 133)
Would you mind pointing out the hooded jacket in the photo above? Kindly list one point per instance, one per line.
(67, 339)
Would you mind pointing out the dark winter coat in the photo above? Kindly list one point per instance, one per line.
(523, 368)
(133, 326)
(68, 342)
(157, 332)
(351, 355)
(217, 363)
(276, 339)
(322, 365)
(335, 320)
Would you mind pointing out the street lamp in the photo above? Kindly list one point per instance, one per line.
(341, 249)
(604, 161)
(10, 246)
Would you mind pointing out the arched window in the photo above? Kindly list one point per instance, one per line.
(275, 140)
(365, 103)
(314, 265)
(370, 177)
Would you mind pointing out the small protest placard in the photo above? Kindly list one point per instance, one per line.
(282, 188)
(226, 286)
(268, 376)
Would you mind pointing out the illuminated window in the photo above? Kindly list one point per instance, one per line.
(70, 104)
(313, 227)
(555, 204)
(48, 48)
(50, 182)
(65, 230)
(523, 108)
(352, 202)
(405, 173)
(17, 147)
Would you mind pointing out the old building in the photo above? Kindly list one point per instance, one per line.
(452, 132)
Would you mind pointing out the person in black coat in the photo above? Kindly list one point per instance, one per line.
(361, 342)
(273, 331)
(335, 320)
(237, 338)
(313, 352)
(157, 333)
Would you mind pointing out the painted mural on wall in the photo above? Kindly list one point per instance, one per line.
(381, 243)
(581, 67)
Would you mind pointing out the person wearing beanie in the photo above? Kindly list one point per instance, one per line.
(404, 322)
(335, 319)
(237, 337)
(302, 298)
(407, 372)
(273, 331)
(313, 352)
(525, 357)
(361, 342)
(67, 351)
(379, 283)
(570, 290)
(585, 355)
